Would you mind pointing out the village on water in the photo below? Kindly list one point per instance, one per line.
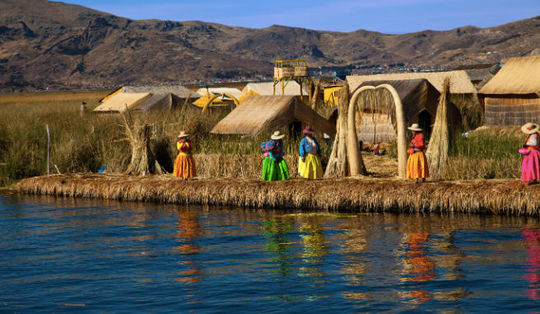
(178, 156)
(415, 132)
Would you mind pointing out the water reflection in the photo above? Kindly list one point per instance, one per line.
(242, 260)
(418, 266)
(188, 230)
(532, 244)
(277, 242)
(314, 247)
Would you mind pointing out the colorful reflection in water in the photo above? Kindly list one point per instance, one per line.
(58, 255)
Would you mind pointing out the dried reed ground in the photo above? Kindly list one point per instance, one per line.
(351, 194)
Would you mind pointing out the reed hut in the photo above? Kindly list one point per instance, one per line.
(419, 99)
(258, 114)
(480, 74)
(120, 102)
(267, 89)
(512, 96)
(145, 98)
(460, 82)
(178, 90)
(463, 94)
(160, 102)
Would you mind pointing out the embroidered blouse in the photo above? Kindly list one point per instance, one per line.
(184, 147)
(273, 148)
(532, 141)
(417, 143)
(309, 146)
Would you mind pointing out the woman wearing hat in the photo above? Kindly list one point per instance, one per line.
(184, 166)
(417, 166)
(530, 167)
(309, 163)
(274, 166)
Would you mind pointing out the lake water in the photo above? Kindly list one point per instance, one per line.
(83, 255)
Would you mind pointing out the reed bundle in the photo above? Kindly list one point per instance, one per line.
(437, 152)
(353, 195)
(337, 163)
(143, 160)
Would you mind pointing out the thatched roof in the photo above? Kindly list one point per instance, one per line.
(161, 102)
(267, 89)
(220, 90)
(178, 90)
(459, 80)
(119, 102)
(416, 95)
(259, 114)
(518, 76)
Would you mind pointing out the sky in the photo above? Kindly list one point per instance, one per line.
(385, 16)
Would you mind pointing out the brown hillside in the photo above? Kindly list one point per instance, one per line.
(52, 44)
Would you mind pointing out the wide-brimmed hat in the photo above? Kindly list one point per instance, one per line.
(530, 128)
(308, 130)
(415, 127)
(277, 135)
(183, 134)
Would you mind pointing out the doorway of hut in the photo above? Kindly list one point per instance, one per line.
(295, 129)
(424, 121)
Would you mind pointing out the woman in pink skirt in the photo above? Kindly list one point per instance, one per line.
(530, 167)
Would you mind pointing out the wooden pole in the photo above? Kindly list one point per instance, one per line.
(48, 148)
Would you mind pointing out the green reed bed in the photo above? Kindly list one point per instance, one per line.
(486, 153)
(85, 143)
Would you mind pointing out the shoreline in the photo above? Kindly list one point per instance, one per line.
(364, 194)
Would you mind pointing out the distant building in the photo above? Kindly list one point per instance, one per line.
(512, 96)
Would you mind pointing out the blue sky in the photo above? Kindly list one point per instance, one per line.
(386, 16)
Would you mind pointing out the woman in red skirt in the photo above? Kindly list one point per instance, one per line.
(184, 166)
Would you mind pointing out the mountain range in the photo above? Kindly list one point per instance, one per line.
(45, 44)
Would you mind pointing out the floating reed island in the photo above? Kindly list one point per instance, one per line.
(364, 194)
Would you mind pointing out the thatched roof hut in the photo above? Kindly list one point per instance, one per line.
(160, 102)
(459, 80)
(120, 101)
(258, 114)
(512, 96)
(419, 99)
(178, 90)
(267, 89)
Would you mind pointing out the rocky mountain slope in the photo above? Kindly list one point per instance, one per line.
(56, 45)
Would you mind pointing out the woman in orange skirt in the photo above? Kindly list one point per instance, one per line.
(417, 166)
(184, 166)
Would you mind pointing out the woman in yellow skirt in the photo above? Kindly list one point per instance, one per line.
(417, 166)
(309, 163)
(184, 166)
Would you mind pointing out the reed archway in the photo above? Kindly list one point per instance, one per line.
(211, 100)
(352, 140)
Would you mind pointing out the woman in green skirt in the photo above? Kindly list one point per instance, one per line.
(274, 166)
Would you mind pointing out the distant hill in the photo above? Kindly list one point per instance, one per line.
(52, 44)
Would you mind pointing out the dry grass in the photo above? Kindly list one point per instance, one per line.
(53, 97)
(354, 195)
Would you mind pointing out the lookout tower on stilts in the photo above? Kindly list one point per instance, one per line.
(290, 70)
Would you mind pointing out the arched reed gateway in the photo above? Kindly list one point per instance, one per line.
(393, 110)
(373, 115)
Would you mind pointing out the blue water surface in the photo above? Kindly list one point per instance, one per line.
(61, 255)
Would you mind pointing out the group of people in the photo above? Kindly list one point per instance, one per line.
(309, 163)
(274, 166)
